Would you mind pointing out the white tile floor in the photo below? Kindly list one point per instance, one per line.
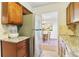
(49, 54)
(50, 49)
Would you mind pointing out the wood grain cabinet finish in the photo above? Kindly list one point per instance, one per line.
(76, 12)
(23, 48)
(11, 13)
(69, 13)
(8, 49)
(72, 13)
(70, 16)
(20, 49)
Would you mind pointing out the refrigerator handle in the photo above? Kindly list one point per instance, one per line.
(37, 29)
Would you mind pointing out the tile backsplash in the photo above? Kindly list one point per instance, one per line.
(10, 28)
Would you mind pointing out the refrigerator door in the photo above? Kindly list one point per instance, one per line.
(38, 35)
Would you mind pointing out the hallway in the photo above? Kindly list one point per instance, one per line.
(47, 37)
(50, 48)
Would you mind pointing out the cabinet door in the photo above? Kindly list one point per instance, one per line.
(67, 16)
(23, 48)
(76, 12)
(71, 11)
(4, 18)
(8, 49)
(11, 13)
(15, 13)
(70, 16)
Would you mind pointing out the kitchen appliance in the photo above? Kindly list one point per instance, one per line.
(12, 31)
(38, 35)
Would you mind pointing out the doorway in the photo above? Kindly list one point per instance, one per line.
(50, 25)
(49, 45)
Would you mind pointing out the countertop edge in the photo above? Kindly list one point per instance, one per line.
(16, 40)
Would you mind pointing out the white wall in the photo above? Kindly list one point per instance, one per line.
(54, 33)
(26, 5)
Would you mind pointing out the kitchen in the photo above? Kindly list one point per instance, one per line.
(21, 31)
(15, 18)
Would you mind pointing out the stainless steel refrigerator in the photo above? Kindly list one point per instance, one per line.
(38, 35)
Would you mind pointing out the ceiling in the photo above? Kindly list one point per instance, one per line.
(49, 15)
(38, 4)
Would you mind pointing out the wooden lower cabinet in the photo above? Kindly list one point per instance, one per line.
(23, 48)
(20, 49)
(8, 49)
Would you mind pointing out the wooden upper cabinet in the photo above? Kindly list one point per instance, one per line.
(26, 11)
(15, 13)
(76, 12)
(69, 13)
(72, 13)
(11, 13)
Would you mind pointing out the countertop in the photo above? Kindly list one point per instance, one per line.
(74, 50)
(15, 40)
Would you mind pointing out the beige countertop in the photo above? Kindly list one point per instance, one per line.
(74, 50)
(15, 40)
(72, 46)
